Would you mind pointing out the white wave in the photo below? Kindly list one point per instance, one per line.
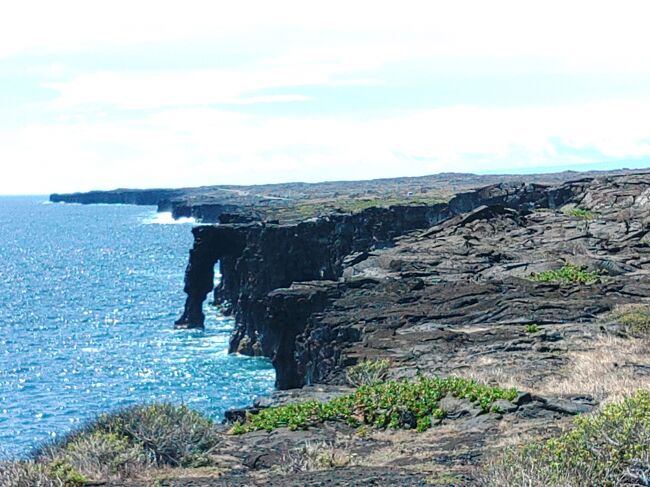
(166, 218)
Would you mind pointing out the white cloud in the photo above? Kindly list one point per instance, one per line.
(90, 135)
(169, 89)
(577, 35)
(205, 146)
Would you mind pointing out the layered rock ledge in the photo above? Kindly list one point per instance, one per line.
(259, 261)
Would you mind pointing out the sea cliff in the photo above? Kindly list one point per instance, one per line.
(259, 261)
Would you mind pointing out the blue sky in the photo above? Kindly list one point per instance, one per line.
(150, 94)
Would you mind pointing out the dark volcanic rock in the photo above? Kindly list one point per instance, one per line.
(305, 294)
(119, 196)
(259, 258)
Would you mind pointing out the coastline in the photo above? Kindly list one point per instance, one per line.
(515, 285)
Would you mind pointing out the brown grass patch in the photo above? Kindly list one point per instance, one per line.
(490, 370)
(608, 371)
(322, 455)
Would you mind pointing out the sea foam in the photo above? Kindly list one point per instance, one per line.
(166, 218)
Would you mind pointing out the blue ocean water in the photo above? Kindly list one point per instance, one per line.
(88, 298)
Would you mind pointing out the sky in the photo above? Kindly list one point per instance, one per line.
(100, 95)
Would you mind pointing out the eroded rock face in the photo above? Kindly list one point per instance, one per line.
(258, 261)
(257, 258)
(451, 298)
(316, 296)
(439, 299)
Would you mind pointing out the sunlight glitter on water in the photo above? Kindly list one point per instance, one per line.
(88, 298)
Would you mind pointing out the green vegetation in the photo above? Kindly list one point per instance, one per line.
(611, 447)
(568, 274)
(360, 204)
(578, 213)
(532, 328)
(635, 318)
(392, 404)
(66, 473)
(367, 372)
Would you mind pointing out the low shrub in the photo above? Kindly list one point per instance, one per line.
(568, 274)
(129, 442)
(62, 471)
(392, 404)
(102, 455)
(176, 436)
(367, 372)
(608, 448)
(532, 328)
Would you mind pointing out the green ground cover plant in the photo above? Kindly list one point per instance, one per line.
(392, 404)
(608, 448)
(579, 213)
(568, 274)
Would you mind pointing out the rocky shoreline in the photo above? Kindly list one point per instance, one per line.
(513, 284)
(295, 202)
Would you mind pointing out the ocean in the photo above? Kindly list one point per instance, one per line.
(88, 299)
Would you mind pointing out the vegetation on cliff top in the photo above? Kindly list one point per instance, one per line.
(611, 447)
(568, 274)
(315, 208)
(392, 404)
(579, 213)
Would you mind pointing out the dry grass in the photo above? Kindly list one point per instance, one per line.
(318, 456)
(606, 371)
(490, 370)
(167, 475)
(634, 318)
(610, 447)
(367, 372)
